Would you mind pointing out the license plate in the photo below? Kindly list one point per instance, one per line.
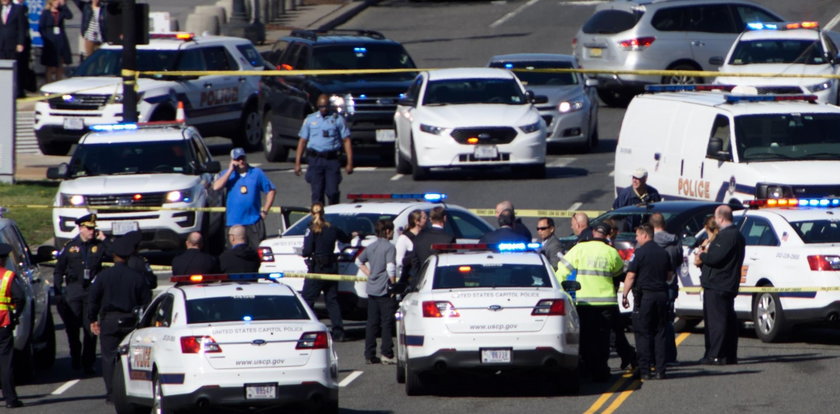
(122, 227)
(260, 391)
(495, 356)
(596, 52)
(385, 135)
(74, 123)
(486, 151)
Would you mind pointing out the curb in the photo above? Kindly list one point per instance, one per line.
(352, 12)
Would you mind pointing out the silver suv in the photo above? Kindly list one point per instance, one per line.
(658, 35)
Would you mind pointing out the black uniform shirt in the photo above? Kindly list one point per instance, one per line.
(239, 259)
(117, 289)
(323, 243)
(194, 262)
(651, 265)
(74, 258)
(723, 260)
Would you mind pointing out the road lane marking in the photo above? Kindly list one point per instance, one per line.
(397, 177)
(513, 13)
(622, 396)
(581, 3)
(346, 381)
(833, 22)
(575, 206)
(607, 395)
(560, 162)
(611, 174)
(64, 387)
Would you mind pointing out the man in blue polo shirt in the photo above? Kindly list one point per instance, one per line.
(245, 185)
(322, 136)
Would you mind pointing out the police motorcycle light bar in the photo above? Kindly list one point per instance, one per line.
(432, 197)
(732, 99)
(173, 35)
(782, 25)
(225, 277)
(688, 88)
(500, 247)
(794, 202)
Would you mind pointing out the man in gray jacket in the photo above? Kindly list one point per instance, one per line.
(551, 247)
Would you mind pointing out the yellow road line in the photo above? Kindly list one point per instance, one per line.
(607, 395)
(623, 396)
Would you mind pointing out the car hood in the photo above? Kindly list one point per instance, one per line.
(793, 69)
(98, 85)
(780, 172)
(356, 86)
(454, 116)
(122, 184)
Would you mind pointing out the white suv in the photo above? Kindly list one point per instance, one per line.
(125, 168)
(218, 105)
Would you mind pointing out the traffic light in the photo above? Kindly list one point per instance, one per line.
(113, 22)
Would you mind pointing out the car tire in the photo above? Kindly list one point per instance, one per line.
(54, 148)
(118, 394)
(250, 130)
(414, 384)
(274, 151)
(682, 324)
(769, 317)
(417, 172)
(158, 399)
(400, 366)
(402, 166)
(682, 80)
(45, 357)
(614, 98)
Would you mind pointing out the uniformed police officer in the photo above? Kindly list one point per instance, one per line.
(78, 263)
(594, 264)
(113, 297)
(322, 136)
(12, 301)
(648, 275)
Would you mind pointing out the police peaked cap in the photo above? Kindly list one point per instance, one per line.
(87, 220)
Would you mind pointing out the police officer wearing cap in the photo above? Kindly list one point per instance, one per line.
(113, 297)
(638, 192)
(78, 264)
(322, 136)
(12, 301)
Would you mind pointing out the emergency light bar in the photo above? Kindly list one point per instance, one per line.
(731, 99)
(794, 202)
(225, 277)
(133, 126)
(782, 25)
(173, 35)
(500, 247)
(687, 88)
(433, 197)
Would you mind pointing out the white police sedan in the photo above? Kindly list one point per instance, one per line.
(492, 308)
(227, 341)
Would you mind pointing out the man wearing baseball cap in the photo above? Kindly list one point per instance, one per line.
(638, 192)
(245, 186)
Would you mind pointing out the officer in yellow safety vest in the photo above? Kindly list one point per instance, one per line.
(11, 298)
(594, 264)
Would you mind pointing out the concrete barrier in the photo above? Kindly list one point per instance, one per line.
(200, 23)
(213, 10)
(228, 6)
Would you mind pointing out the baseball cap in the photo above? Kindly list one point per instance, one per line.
(237, 153)
(602, 227)
(640, 173)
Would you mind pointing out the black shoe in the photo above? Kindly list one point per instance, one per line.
(89, 371)
(660, 376)
(645, 376)
(628, 362)
(712, 361)
(373, 361)
(14, 404)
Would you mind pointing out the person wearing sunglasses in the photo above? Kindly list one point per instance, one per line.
(551, 247)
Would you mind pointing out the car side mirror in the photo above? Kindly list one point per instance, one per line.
(44, 254)
(540, 99)
(715, 150)
(406, 102)
(716, 60)
(57, 173)
(212, 167)
(570, 285)
(591, 82)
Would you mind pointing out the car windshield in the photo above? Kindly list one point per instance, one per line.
(159, 157)
(808, 52)
(479, 276)
(791, 136)
(818, 231)
(362, 223)
(474, 91)
(363, 56)
(108, 62)
(244, 308)
(627, 222)
(611, 21)
(527, 77)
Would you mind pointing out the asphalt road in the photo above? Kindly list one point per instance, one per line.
(794, 376)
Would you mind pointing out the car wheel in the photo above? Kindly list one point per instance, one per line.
(417, 172)
(682, 324)
(274, 151)
(45, 357)
(250, 130)
(614, 98)
(413, 381)
(158, 401)
(769, 317)
(118, 395)
(682, 79)
(403, 167)
(54, 148)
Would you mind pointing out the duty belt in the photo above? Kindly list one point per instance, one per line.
(329, 155)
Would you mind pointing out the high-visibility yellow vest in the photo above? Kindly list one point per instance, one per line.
(6, 305)
(595, 264)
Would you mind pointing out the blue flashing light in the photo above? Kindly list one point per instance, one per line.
(113, 127)
(247, 318)
(402, 95)
(508, 65)
(276, 275)
(687, 88)
(731, 99)
(360, 49)
(518, 246)
(434, 196)
(835, 202)
(362, 96)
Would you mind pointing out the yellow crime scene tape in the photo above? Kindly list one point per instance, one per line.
(773, 289)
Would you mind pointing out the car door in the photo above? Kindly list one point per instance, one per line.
(710, 30)
(153, 339)
(762, 245)
(222, 93)
(402, 116)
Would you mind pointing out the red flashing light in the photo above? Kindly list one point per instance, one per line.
(465, 269)
(440, 309)
(550, 307)
(137, 197)
(460, 246)
(626, 254)
(824, 263)
(472, 140)
(173, 35)
(637, 43)
(312, 340)
(198, 278)
(199, 344)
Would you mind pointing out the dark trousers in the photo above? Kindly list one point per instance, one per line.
(595, 326)
(670, 334)
(7, 351)
(721, 333)
(622, 346)
(312, 288)
(649, 323)
(323, 176)
(110, 336)
(380, 319)
(74, 313)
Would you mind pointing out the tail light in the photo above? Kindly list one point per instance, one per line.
(626, 254)
(550, 307)
(312, 340)
(638, 43)
(432, 309)
(266, 254)
(199, 344)
(824, 263)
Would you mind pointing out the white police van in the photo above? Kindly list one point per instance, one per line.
(218, 105)
(723, 146)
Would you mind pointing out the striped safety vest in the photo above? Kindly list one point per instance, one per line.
(6, 305)
(595, 264)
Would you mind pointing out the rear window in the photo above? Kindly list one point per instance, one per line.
(361, 223)
(818, 231)
(540, 78)
(245, 308)
(611, 21)
(808, 52)
(490, 276)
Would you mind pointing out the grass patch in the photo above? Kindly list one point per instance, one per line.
(34, 222)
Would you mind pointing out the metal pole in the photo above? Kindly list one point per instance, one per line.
(129, 57)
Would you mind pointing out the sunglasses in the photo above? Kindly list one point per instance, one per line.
(543, 228)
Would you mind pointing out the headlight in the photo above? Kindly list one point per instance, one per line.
(431, 129)
(773, 191)
(179, 196)
(570, 105)
(820, 86)
(73, 200)
(344, 105)
(530, 127)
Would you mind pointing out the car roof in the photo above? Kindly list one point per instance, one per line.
(666, 206)
(227, 289)
(793, 34)
(483, 257)
(533, 57)
(388, 207)
(632, 4)
(470, 73)
(142, 134)
(176, 44)
(338, 37)
(718, 99)
(800, 213)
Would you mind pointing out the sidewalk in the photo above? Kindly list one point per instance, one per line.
(321, 15)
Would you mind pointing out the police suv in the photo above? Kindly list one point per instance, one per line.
(123, 170)
(224, 105)
(487, 308)
(790, 244)
(225, 341)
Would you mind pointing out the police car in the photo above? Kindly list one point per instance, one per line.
(218, 105)
(790, 243)
(786, 48)
(491, 308)
(282, 254)
(213, 341)
(118, 170)
(469, 118)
